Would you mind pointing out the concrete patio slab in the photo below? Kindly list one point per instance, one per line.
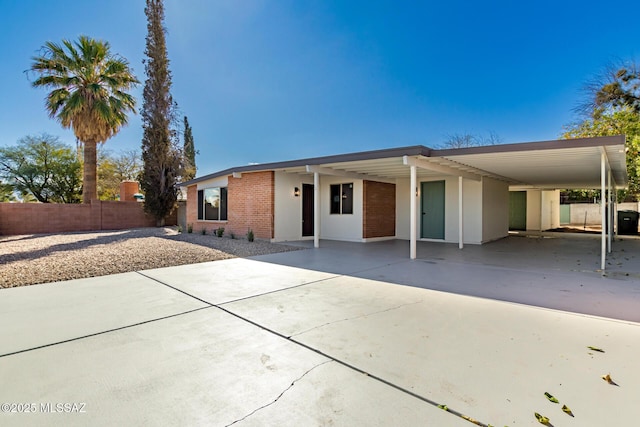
(201, 368)
(228, 280)
(561, 290)
(540, 272)
(487, 359)
(34, 316)
(548, 252)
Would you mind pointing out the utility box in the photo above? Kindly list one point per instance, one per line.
(628, 222)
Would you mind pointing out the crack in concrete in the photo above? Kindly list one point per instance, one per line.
(354, 318)
(280, 395)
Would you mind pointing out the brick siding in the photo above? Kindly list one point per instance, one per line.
(250, 201)
(379, 209)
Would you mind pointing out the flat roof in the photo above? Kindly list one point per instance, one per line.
(564, 163)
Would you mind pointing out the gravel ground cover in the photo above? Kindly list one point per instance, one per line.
(42, 258)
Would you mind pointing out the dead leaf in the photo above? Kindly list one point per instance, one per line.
(608, 379)
(541, 418)
(566, 410)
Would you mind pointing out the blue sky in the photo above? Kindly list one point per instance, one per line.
(271, 80)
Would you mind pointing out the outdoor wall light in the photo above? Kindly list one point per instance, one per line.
(296, 192)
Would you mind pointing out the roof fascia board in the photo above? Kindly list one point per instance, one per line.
(424, 164)
(608, 165)
(414, 150)
(557, 144)
(354, 175)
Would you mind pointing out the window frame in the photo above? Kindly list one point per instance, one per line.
(205, 208)
(341, 199)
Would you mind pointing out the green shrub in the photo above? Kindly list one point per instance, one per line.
(220, 231)
(203, 231)
(250, 236)
(232, 235)
(189, 228)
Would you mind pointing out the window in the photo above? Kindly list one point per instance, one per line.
(212, 204)
(341, 199)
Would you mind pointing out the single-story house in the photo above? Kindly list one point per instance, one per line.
(412, 193)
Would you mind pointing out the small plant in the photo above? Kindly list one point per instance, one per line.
(180, 230)
(220, 231)
(250, 236)
(232, 235)
(189, 228)
(203, 231)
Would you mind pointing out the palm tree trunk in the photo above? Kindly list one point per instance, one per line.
(89, 182)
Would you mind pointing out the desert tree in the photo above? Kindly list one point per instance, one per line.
(43, 167)
(113, 169)
(616, 86)
(466, 140)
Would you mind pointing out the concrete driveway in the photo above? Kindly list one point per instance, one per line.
(341, 342)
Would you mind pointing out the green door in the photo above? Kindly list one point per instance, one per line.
(565, 214)
(517, 210)
(432, 210)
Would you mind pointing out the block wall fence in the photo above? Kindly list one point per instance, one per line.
(38, 218)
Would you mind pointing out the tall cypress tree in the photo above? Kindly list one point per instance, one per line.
(189, 151)
(162, 159)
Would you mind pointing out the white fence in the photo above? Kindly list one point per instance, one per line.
(589, 213)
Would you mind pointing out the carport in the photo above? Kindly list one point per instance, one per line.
(584, 163)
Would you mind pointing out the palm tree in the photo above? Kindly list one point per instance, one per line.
(89, 95)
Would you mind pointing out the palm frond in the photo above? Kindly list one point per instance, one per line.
(89, 86)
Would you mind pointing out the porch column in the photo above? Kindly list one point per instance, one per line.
(412, 218)
(609, 213)
(316, 210)
(460, 217)
(603, 213)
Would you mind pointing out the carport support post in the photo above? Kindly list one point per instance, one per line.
(316, 210)
(412, 218)
(609, 213)
(603, 213)
(460, 217)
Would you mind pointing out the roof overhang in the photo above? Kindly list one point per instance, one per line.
(572, 163)
(559, 164)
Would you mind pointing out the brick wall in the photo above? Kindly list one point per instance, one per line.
(250, 201)
(35, 218)
(379, 209)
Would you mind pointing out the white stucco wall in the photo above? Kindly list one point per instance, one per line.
(534, 200)
(340, 227)
(288, 208)
(495, 209)
(543, 209)
(403, 200)
(472, 208)
(550, 212)
(222, 181)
